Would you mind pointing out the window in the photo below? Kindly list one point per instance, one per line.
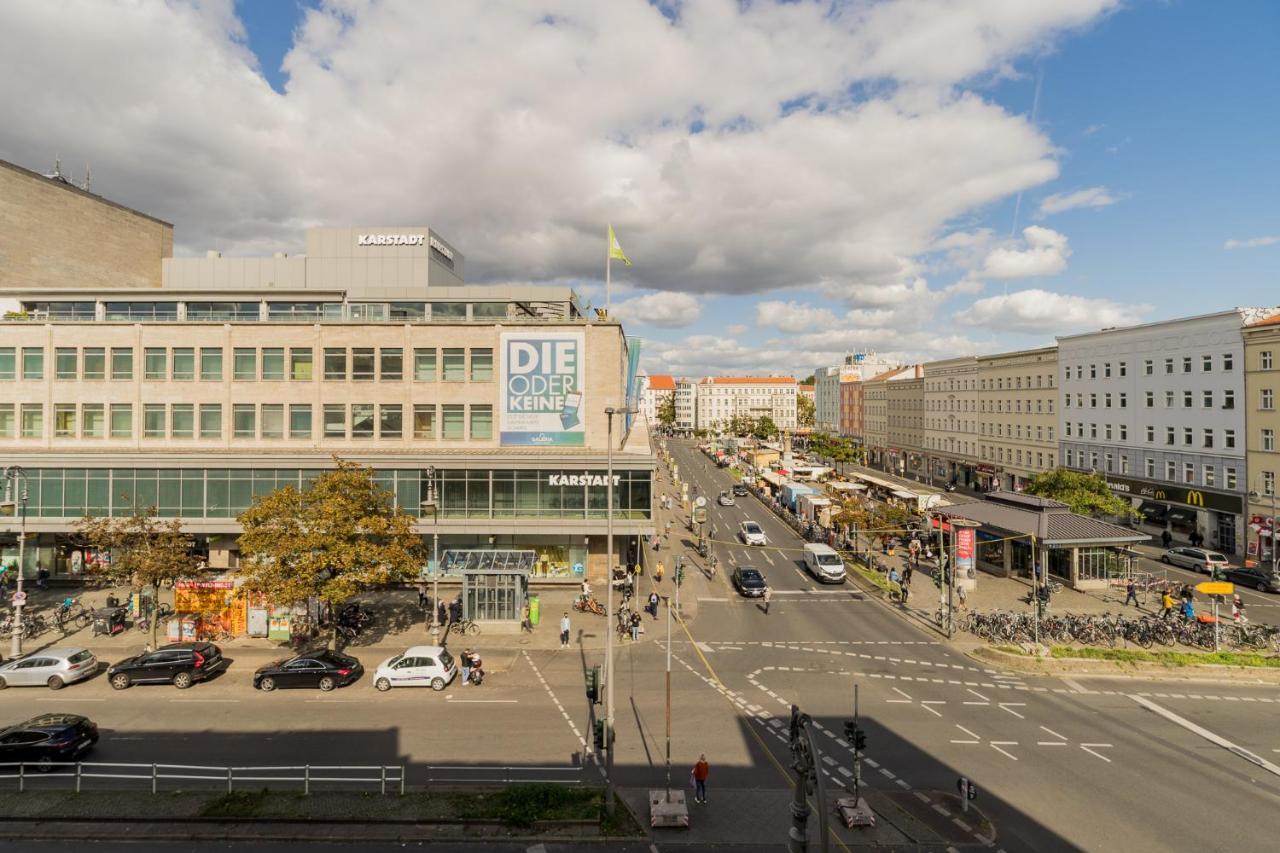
(1124, 401)
(300, 364)
(1228, 361)
(1093, 401)
(335, 366)
(244, 364)
(182, 420)
(1210, 475)
(1108, 400)
(1267, 399)
(33, 362)
(1110, 463)
(1186, 364)
(391, 364)
(300, 419)
(1188, 472)
(32, 420)
(1093, 430)
(211, 364)
(335, 420)
(390, 421)
(64, 363)
(1206, 397)
(1187, 434)
(362, 365)
(1124, 371)
(273, 363)
(1147, 367)
(1268, 482)
(1151, 434)
(1206, 363)
(1124, 463)
(1228, 399)
(1151, 469)
(211, 420)
(1168, 365)
(362, 420)
(455, 366)
(93, 421)
(1264, 360)
(1106, 433)
(424, 421)
(1168, 399)
(1208, 438)
(481, 423)
(1229, 478)
(272, 417)
(1151, 399)
(244, 420)
(95, 363)
(1171, 471)
(152, 420)
(155, 363)
(122, 420)
(424, 365)
(454, 420)
(1093, 371)
(122, 362)
(481, 364)
(64, 420)
(1228, 438)
(184, 363)
(1268, 439)
(1188, 399)
(1170, 435)
(8, 363)
(1124, 432)
(8, 423)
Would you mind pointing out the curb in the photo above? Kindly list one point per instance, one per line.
(1149, 670)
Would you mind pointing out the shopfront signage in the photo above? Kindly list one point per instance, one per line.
(541, 379)
(396, 240)
(581, 479)
(1175, 494)
(442, 248)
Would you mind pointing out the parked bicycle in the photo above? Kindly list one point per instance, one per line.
(464, 626)
(588, 604)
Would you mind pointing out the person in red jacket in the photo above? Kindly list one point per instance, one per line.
(700, 772)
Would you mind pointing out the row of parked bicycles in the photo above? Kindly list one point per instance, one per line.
(1110, 630)
(70, 615)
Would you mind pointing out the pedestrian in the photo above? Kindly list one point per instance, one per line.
(962, 597)
(423, 599)
(1237, 609)
(1130, 593)
(639, 570)
(465, 661)
(635, 627)
(441, 613)
(1166, 605)
(699, 774)
(657, 572)
(1188, 610)
(768, 596)
(906, 574)
(586, 590)
(1165, 538)
(526, 620)
(564, 630)
(653, 604)
(42, 577)
(893, 575)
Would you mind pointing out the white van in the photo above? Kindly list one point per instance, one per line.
(824, 563)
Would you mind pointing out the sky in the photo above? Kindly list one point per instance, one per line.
(792, 181)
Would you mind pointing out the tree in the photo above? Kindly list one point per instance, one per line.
(804, 411)
(340, 535)
(764, 428)
(1086, 494)
(146, 551)
(809, 380)
(667, 410)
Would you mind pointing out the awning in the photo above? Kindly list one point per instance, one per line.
(906, 496)
(842, 486)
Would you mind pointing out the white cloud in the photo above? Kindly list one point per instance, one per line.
(1044, 252)
(963, 287)
(737, 329)
(1251, 243)
(794, 316)
(1089, 197)
(1042, 311)
(664, 308)
(521, 139)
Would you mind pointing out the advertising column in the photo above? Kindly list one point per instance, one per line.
(542, 389)
(965, 575)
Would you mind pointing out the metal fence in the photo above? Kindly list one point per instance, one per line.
(490, 774)
(301, 776)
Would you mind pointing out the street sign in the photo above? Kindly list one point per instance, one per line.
(19, 598)
(1215, 588)
(700, 501)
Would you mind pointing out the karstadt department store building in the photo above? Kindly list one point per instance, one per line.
(482, 409)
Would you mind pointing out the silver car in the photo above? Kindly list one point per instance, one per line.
(1196, 559)
(52, 668)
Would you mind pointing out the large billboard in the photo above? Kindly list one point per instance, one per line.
(541, 375)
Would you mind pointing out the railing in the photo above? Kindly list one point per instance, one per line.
(482, 774)
(302, 775)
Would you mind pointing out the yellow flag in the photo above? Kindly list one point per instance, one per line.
(615, 250)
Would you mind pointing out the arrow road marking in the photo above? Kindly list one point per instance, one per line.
(1004, 706)
(906, 701)
(985, 700)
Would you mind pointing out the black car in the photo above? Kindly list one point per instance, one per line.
(1263, 581)
(48, 739)
(748, 581)
(319, 668)
(179, 664)
(740, 490)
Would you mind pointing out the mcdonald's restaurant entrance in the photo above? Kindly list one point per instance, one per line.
(1194, 515)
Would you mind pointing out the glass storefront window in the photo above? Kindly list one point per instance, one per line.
(32, 420)
(273, 363)
(244, 364)
(182, 420)
(33, 362)
(335, 364)
(211, 420)
(424, 421)
(300, 420)
(455, 364)
(273, 419)
(391, 367)
(300, 364)
(122, 362)
(454, 419)
(390, 421)
(362, 364)
(211, 364)
(481, 364)
(95, 363)
(64, 363)
(481, 423)
(155, 364)
(335, 420)
(424, 365)
(184, 363)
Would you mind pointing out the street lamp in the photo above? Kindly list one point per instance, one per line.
(429, 505)
(15, 500)
(609, 800)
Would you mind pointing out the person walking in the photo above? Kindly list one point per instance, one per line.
(635, 627)
(653, 604)
(423, 599)
(1130, 593)
(1188, 610)
(962, 597)
(1165, 538)
(700, 772)
(1237, 610)
(564, 630)
(657, 572)
(1166, 605)
(465, 661)
(768, 597)
(526, 620)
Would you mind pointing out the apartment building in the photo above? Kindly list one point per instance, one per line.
(828, 381)
(1158, 410)
(720, 399)
(1262, 425)
(1017, 417)
(852, 417)
(905, 428)
(951, 420)
(686, 396)
(875, 394)
(654, 392)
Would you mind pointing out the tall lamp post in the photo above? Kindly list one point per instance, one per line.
(15, 499)
(610, 794)
(429, 505)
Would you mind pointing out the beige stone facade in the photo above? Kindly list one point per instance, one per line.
(951, 419)
(1262, 428)
(906, 414)
(55, 236)
(1017, 420)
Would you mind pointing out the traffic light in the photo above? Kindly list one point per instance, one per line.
(593, 684)
(597, 734)
(850, 730)
(854, 735)
(679, 573)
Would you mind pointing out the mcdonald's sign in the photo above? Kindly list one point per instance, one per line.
(1159, 495)
(1201, 498)
(1195, 498)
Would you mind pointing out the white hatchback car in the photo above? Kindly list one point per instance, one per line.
(416, 666)
(751, 534)
(52, 668)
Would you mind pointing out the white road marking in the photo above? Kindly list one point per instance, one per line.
(1207, 735)
(985, 700)
(1085, 747)
(1052, 732)
(927, 702)
(481, 701)
(225, 700)
(1004, 706)
(705, 647)
(906, 701)
(996, 744)
(1075, 685)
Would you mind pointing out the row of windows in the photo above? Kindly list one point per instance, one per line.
(408, 312)
(1207, 435)
(1011, 406)
(450, 421)
(1015, 457)
(1187, 475)
(1017, 431)
(1227, 361)
(944, 385)
(1002, 384)
(360, 364)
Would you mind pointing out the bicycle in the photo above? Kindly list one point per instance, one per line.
(72, 612)
(464, 626)
(588, 605)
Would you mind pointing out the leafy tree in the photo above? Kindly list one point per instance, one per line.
(809, 380)
(667, 410)
(1086, 494)
(146, 551)
(764, 428)
(340, 535)
(804, 411)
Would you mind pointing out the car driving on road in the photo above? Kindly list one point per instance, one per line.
(823, 563)
(740, 490)
(416, 666)
(179, 664)
(749, 582)
(48, 739)
(52, 668)
(725, 499)
(1196, 559)
(320, 668)
(751, 534)
(1261, 580)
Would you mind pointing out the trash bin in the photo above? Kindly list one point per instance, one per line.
(535, 610)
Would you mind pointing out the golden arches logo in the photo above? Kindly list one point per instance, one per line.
(1159, 495)
(1195, 498)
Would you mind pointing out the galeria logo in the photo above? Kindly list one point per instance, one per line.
(391, 240)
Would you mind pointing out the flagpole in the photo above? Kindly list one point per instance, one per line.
(608, 262)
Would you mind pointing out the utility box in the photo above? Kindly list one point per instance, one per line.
(258, 622)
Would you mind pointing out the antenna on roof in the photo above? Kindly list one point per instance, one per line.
(88, 177)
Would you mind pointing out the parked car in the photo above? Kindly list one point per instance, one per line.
(751, 534)
(740, 490)
(1196, 559)
(748, 581)
(52, 668)
(48, 739)
(726, 499)
(416, 666)
(320, 668)
(179, 664)
(1259, 579)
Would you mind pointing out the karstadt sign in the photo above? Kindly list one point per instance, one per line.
(391, 240)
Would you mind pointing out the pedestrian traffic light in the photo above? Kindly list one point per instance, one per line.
(679, 574)
(597, 734)
(850, 729)
(593, 684)
(855, 736)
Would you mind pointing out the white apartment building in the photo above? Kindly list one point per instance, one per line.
(653, 392)
(827, 381)
(686, 394)
(951, 420)
(722, 398)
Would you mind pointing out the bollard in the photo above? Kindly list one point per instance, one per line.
(154, 774)
(306, 779)
(22, 778)
(384, 780)
(228, 780)
(402, 780)
(77, 777)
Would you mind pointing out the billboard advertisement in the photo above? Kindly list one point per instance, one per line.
(964, 551)
(542, 377)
